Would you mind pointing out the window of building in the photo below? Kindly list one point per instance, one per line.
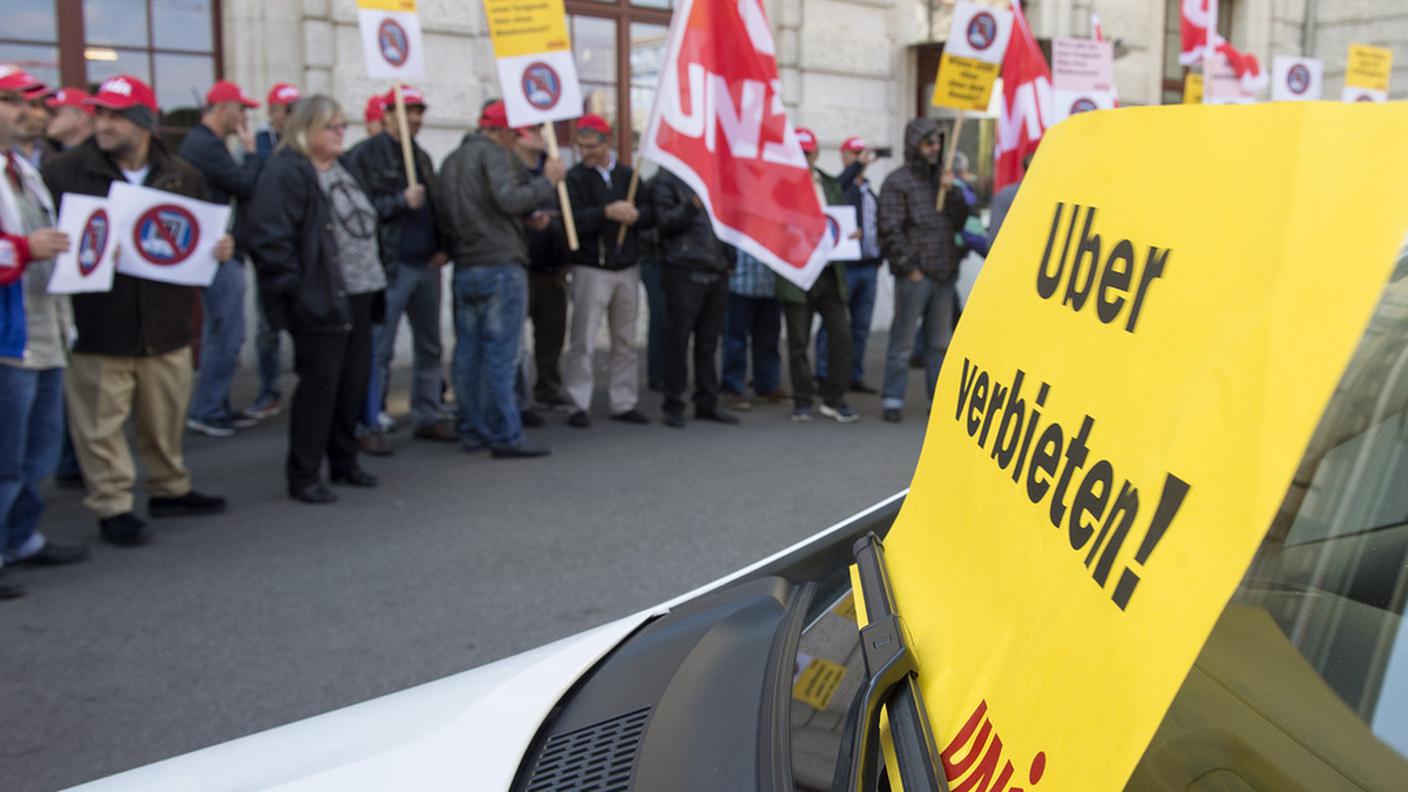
(619, 46)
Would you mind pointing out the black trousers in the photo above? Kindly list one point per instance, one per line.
(693, 308)
(334, 370)
(825, 299)
(547, 307)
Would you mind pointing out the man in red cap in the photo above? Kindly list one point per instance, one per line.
(71, 122)
(374, 116)
(33, 340)
(30, 142)
(863, 274)
(222, 302)
(280, 101)
(484, 195)
(412, 252)
(133, 352)
(605, 275)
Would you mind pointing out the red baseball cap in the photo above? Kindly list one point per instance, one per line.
(123, 92)
(412, 97)
(495, 116)
(283, 94)
(226, 91)
(69, 97)
(854, 145)
(375, 110)
(807, 138)
(13, 78)
(38, 93)
(595, 123)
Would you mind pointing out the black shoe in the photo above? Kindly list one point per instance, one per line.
(56, 555)
(891, 415)
(531, 419)
(74, 482)
(674, 420)
(313, 493)
(192, 503)
(518, 452)
(579, 420)
(861, 387)
(10, 590)
(124, 530)
(356, 477)
(717, 416)
(632, 416)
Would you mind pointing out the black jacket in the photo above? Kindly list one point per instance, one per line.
(686, 237)
(294, 251)
(597, 235)
(138, 317)
(225, 179)
(485, 191)
(378, 164)
(913, 234)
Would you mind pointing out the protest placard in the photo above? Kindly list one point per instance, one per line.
(165, 237)
(88, 264)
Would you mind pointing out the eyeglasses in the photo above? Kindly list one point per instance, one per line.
(339, 128)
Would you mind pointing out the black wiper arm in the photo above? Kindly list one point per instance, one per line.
(891, 682)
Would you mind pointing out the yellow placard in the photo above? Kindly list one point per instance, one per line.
(399, 6)
(1368, 67)
(964, 83)
(526, 27)
(1193, 88)
(1134, 382)
(818, 683)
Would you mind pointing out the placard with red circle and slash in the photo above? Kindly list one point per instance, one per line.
(392, 45)
(87, 266)
(165, 237)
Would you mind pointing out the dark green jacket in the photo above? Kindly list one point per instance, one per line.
(788, 291)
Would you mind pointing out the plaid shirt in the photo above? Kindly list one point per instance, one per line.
(751, 278)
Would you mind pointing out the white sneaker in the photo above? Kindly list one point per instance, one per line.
(841, 413)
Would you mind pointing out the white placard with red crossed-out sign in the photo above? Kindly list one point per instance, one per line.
(392, 45)
(1297, 79)
(88, 264)
(1082, 77)
(165, 237)
(540, 87)
(841, 229)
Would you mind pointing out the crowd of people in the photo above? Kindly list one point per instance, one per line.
(343, 243)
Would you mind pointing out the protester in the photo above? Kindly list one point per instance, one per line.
(826, 297)
(1002, 201)
(33, 339)
(313, 237)
(696, 297)
(754, 318)
(374, 115)
(222, 302)
(485, 193)
(605, 275)
(71, 122)
(30, 142)
(132, 354)
(279, 102)
(547, 288)
(862, 275)
(412, 253)
(918, 241)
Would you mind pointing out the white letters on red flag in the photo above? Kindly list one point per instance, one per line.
(1194, 26)
(719, 124)
(1024, 111)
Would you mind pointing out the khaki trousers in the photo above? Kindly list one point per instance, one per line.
(102, 391)
(615, 296)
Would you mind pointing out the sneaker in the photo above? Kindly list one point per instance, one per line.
(841, 413)
(631, 416)
(212, 427)
(717, 416)
(891, 415)
(192, 503)
(51, 554)
(265, 407)
(243, 420)
(441, 431)
(374, 444)
(518, 452)
(386, 423)
(124, 530)
(801, 415)
(737, 402)
(579, 420)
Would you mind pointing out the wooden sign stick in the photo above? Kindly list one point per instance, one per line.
(948, 159)
(630, 199)
(550, 135)
(404, 130)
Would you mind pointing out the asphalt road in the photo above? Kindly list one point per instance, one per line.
(277, 611)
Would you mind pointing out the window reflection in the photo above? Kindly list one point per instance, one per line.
(594, 45)
(115, 22)
(42, 62)
(117, 62)
(29, 19)
(647, 55)
(181, 83)
(182, 24)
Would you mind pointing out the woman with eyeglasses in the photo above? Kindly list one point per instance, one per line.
(313, 238)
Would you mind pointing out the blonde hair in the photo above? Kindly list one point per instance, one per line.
(309, 115)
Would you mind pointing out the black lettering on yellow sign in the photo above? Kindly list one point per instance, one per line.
(1096, 518)
(1116, 273)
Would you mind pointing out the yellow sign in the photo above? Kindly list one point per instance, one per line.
(399, 6)
(964, 83)
(1193, 88)
(527, 27)
(1368, 67)
(1134, 382)
(816, 686)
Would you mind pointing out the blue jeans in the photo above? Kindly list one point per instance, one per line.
(415, 292)
(861, 282)
(31, 434)
(933, 304)
(758, 318)
(652, 275)
(491, 304)
(222, 303)
(266, 347)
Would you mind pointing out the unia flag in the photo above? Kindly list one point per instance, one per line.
(1024, 111)
(1196, 19)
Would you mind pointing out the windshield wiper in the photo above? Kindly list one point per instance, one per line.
(891, 682)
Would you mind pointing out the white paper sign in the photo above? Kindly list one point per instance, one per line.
(540, 88)
(165, 237)
(1082, 65)
(1296, 79)
(88, 264)
(1353, 94)
(841, 227)
(979, 32)
(391, 44)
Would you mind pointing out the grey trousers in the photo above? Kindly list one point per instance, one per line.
(614, 295)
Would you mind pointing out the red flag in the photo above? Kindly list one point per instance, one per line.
(719, 124)
(1193, 23)
(1025, 106)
